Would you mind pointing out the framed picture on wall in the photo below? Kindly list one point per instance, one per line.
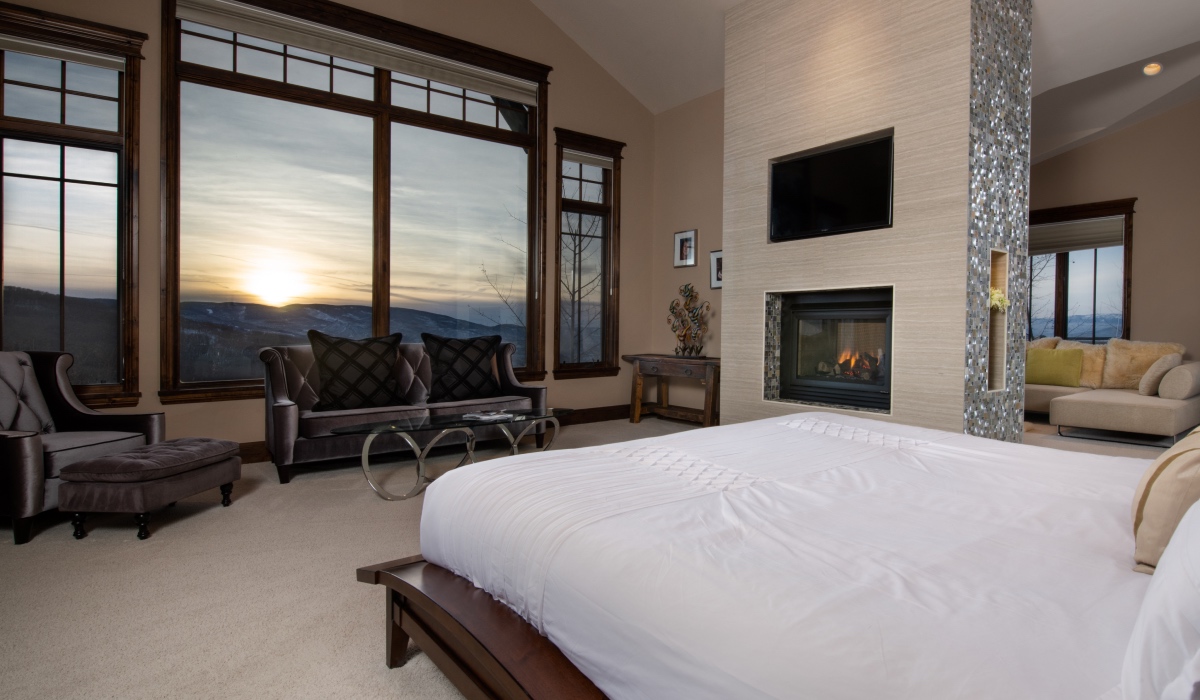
(685, 248)
(716, 278)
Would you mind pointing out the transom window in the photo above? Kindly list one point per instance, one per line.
(68, 185)
(391, 201)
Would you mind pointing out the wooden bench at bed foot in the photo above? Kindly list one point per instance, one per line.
(147, 479)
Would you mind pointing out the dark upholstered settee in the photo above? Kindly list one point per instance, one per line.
(44, 427)
(297, 435)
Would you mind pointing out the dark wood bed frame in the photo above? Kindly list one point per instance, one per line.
(483, 647)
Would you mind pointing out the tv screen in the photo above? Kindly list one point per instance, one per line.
(833, 190)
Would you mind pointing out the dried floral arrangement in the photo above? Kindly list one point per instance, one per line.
(997, 301)
(689, 322)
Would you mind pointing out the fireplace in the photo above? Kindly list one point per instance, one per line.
(836, 347)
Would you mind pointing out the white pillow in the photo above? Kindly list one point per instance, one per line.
(1163, 657)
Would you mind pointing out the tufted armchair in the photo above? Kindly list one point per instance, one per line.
(44, 427)
(296, 434)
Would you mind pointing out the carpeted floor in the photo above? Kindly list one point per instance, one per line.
(255, 600)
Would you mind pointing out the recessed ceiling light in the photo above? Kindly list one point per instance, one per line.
(1152, 68)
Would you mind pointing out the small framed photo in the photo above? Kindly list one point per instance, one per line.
(716, 278)
(685, 248)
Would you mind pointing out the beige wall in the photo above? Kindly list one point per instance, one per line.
(800, 75)
(688, 162)
(1157, 161)
(583, 97)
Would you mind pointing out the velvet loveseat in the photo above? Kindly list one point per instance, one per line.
(44, 427)
(296, 434)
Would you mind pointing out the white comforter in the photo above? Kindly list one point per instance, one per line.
(813, 556)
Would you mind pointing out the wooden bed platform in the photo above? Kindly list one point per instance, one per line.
(483, 647)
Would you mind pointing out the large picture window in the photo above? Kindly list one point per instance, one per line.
(589, 177)
(1079, 271)
(68, 193)
(343, 182)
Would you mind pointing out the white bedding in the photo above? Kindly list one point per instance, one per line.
(813, 556)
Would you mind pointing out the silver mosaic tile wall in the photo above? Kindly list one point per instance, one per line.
(773, 347)
(1001, 39)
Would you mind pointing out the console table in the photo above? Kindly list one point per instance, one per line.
(705, 369)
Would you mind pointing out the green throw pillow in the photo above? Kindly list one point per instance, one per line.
(1053, 367)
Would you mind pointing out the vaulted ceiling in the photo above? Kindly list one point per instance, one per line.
(1087, 57)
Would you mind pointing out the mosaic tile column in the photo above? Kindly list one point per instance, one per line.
(1001, 39)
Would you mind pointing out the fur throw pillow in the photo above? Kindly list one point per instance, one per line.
(1093, 362)
(1043, 343)
(1128, 360)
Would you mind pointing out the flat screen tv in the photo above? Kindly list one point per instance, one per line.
(838, 188)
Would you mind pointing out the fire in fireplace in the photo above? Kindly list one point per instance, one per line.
(836, 347)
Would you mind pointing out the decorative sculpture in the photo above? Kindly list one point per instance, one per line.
(688, 322)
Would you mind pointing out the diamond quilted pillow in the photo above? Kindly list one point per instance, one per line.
(356, 373)
(462, 367)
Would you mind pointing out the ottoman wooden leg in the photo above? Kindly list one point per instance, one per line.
(226, 489)
(143, 523)
(77, 520)
(22, 530)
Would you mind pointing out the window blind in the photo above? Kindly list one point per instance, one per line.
(293, 31)
(1084, 234)
(587, 159)
(62, 53)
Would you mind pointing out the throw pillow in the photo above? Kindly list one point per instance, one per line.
(1043, 343)
(1181, 383)
(462, 367)
(1168, 488)
(1164, 648)
(1128, 360)
(1053, 367)
(1093, 362)
(355, 373)
(1154, 376)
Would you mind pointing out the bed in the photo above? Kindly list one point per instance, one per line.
(814, 555)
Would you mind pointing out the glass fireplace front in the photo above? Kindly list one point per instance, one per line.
(837, 347)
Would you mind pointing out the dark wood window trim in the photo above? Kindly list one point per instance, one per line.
(375, 26)
(66, 31)
(1075, 212)
(609, 366)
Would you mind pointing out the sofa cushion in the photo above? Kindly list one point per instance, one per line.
(1042, 343)
(1128, 360)
(1125, 410)
(152, 462)
(1039, 396)
(1168, 488)
(1093, 362)
(61, 450)
(463, 368)
(22, 406)
(1053, 367)
(1148, 386)
(356, 373)
(1183, 382)
(314, 424)
(496, 403)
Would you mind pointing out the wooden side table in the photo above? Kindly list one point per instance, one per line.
(707, 370)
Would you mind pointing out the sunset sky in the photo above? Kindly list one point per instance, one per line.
(277, 208)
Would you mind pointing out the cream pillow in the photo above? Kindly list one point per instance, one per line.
(1042, 343)
(1183, 382)
(1154, 376)
(1168, 488)
(1128, 360)
(1093, 362)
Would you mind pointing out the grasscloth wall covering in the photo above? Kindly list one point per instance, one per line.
(800, 75)
(1001, 37)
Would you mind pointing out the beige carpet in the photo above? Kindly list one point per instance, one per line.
(255, 600)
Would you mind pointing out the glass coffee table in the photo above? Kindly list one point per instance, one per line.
(515, 426)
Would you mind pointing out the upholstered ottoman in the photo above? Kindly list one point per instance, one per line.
(148, 478)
